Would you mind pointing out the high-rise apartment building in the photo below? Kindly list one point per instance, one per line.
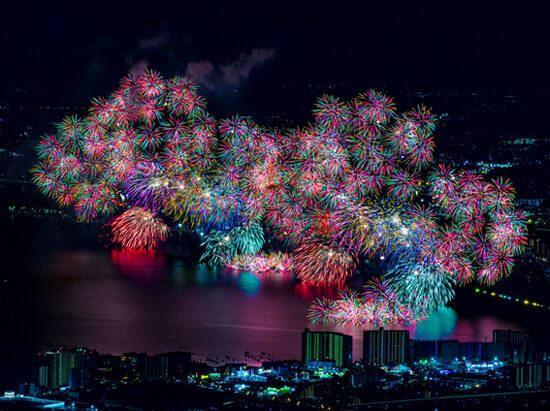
(385, 346)
(327, 346)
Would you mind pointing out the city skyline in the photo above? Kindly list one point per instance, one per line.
(512, 360)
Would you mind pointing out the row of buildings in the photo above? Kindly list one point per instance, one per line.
(80, 368)
(382, 347)
(393, 366)
(514, 354)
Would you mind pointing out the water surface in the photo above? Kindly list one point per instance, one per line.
(64, 289)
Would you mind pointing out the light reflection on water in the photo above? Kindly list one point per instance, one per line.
(117, 302)
(439, 325)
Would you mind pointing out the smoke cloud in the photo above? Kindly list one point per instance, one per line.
(233, 74)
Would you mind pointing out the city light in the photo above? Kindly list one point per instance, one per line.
(525, 301)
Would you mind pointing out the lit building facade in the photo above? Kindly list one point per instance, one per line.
(529, 375)
(509, 336)
(385, 346)
(327, 346)
(68, 367)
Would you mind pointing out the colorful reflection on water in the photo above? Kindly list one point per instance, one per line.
(441, 324)
(118, 302)
(143, 266)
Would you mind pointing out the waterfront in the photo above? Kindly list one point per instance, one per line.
(114, 302)
(168, 306)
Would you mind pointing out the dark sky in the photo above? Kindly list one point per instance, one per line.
(76, 50)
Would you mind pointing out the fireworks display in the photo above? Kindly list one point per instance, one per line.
(378, 304)
(138, 228)
(359, 183)
(262, 262)
(221, 248)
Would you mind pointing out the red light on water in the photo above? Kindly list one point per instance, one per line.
(309, 292)
(139, 264)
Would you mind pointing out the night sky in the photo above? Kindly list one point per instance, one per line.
(244, 54)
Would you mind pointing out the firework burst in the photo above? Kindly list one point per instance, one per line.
(138, 228)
